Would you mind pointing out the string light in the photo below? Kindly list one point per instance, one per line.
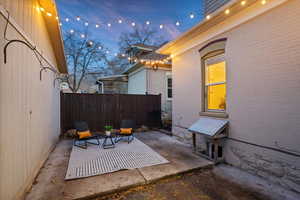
(71, 31)
(78, 18)
(99, 47)
(227, 11)
(208, 17)
(243, 3)
(86, 23)
(82, 36)
(116, 54)
(123, 55)
(90, 43)
(56, 18)
(132, 24)
(177, 23)
(49, 14)
(107, 52)
(109, 24)
(60, 24)
(192, 16)
(120, 21)
(148, 22)
(42, 9)
(263, 2)
(161, 26)
(97, 25)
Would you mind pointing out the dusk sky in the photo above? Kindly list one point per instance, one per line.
(102, 12)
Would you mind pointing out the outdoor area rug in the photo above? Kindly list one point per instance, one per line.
(95, 160)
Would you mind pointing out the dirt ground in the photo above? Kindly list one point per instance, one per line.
(197, 185)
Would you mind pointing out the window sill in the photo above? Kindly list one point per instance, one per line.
(214, 114)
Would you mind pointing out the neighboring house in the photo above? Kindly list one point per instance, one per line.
(242, 63)
(29, 107)
(114, 84)
(147, 76)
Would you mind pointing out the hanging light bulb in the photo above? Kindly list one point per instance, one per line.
(107, 52)
(67, 19)
(132, 24)
(109, 24)
(49, 14)
(42, 9)
(243, 3)
(161, 26)
(60, 24)
(90, 43)
(78, 18)
(97, 25)
(177, 23)
(71, 31)
(192, 16)
(86, 23)
(56, 18)
(99, 47)
(120, 21)
(227, 11)
(148, 22)
(82, 36)
(263, 2)
(208, 17)
(123, 55)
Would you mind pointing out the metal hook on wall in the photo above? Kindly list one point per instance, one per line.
(44, 69)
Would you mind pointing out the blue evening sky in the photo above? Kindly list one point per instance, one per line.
(166, 12)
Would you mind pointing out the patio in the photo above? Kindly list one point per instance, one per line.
(51, 184)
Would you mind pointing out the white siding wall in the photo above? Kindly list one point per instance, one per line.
(157, 84)
(29, 108)
(263, 93)
(137, 82)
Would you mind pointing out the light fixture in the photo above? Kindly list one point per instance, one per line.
(192, 16)
(177, 23)
(263, 2)
(161, 26)
(227, 11)
(97, 25)
(86, 23)
(208, 17)
(67, 19)
(147, 22)
(120, 21)
(82, 36)
(243, 3)
(109, 24)
(71, 31)
(132, 24)
(49, 14)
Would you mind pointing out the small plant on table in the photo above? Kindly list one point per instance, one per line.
(108, 130)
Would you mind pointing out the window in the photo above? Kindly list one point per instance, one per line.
(169, 87)
(215, 83)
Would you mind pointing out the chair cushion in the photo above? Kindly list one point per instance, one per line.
(126, 130)
(84, 134)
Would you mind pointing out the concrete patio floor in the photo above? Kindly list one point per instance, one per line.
(50, 183)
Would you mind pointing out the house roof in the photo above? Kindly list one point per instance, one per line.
(55, 34)
(145, 47)
(187, 40)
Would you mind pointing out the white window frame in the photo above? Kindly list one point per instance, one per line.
(169, 76)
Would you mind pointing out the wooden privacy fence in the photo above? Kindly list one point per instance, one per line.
(99, 110)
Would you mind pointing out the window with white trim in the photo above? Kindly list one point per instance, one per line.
(215, 83)
(169, 87)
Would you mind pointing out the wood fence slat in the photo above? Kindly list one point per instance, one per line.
(99, 110)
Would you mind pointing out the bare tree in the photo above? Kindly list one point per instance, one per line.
(83, 56)
(140, 35)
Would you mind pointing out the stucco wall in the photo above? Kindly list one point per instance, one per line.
(137, 82)
(29, 108)
(263, 93)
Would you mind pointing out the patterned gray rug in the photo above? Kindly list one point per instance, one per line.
(95, 160)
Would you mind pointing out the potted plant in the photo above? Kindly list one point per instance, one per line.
(108, 130)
